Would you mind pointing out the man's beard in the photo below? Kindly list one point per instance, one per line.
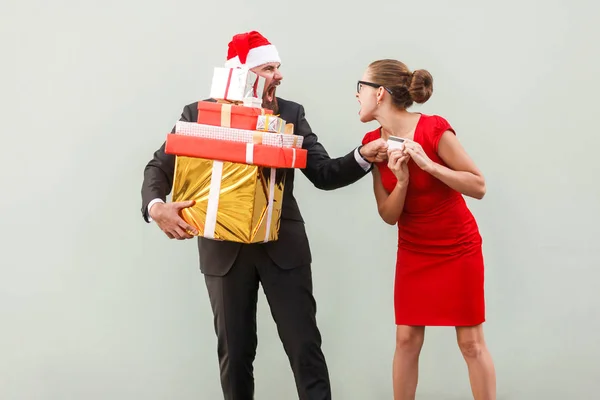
(270, 104)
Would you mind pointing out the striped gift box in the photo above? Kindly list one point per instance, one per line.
(238, 135)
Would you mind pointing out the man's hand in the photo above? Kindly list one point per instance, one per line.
(375, 151)
(166, 216)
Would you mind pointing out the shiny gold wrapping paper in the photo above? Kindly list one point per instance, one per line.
(243, 198)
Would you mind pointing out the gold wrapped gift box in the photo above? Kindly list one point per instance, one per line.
(234, 202)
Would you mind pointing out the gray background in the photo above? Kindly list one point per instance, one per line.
(96, 304)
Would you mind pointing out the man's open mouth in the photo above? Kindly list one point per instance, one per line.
(270, 94)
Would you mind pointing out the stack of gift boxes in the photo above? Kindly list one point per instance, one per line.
(232, 161)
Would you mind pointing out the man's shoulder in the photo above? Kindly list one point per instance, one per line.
(191, 110)
(288, 104)
(194, 105)
(289, 110)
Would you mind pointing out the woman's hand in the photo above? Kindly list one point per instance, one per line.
(416, 153)
(397, 163)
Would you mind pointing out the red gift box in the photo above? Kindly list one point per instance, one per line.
(244, 153)
(229, 115)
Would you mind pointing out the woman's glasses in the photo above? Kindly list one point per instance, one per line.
(374, 85)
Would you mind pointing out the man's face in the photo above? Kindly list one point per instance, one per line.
(273, 77)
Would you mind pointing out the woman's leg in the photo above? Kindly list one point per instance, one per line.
(405, 370)
(479, 361)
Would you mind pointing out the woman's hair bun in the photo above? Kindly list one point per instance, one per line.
(421, 86)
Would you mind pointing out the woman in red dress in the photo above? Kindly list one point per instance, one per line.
(439, 270)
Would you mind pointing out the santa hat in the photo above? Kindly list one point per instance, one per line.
(250, 50)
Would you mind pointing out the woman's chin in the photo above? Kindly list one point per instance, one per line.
(364, 118)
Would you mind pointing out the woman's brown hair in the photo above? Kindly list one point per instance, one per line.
(406, 87)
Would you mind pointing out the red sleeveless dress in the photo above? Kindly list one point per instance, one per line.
(439, 269)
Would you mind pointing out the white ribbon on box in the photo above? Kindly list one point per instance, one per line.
(238, 135)
(214, 192)
(213, 200)
(250, 155)
(250, 161)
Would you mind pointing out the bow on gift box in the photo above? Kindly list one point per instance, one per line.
(236, 84)
(253, 93)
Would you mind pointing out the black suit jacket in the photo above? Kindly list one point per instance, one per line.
(292, 248)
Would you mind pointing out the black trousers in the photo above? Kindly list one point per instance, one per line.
(233, 299)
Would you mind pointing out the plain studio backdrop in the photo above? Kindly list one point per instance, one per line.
(97, 304)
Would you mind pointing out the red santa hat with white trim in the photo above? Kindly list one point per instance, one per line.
(250, 50)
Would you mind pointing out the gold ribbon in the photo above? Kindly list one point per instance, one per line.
(289, 129)
(226, 115)
(257, 137)
(267, 117)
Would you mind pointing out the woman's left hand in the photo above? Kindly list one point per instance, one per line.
(417, 154)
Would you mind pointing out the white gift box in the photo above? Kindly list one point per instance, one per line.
(253, 102)
(239, 135)
(236, 84)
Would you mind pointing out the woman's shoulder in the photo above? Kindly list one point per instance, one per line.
(372, 135)
(435, 121)
(433, 128)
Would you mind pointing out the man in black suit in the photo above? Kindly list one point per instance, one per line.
(233, 271)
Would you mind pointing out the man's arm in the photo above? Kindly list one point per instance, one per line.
(324, 172)
(158, 174)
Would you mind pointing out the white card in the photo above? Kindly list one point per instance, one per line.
(395, 143)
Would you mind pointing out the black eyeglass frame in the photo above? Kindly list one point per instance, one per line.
(373, 85)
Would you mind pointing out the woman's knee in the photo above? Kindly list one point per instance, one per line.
(409, 338)
(472, 348)
(471, 342)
